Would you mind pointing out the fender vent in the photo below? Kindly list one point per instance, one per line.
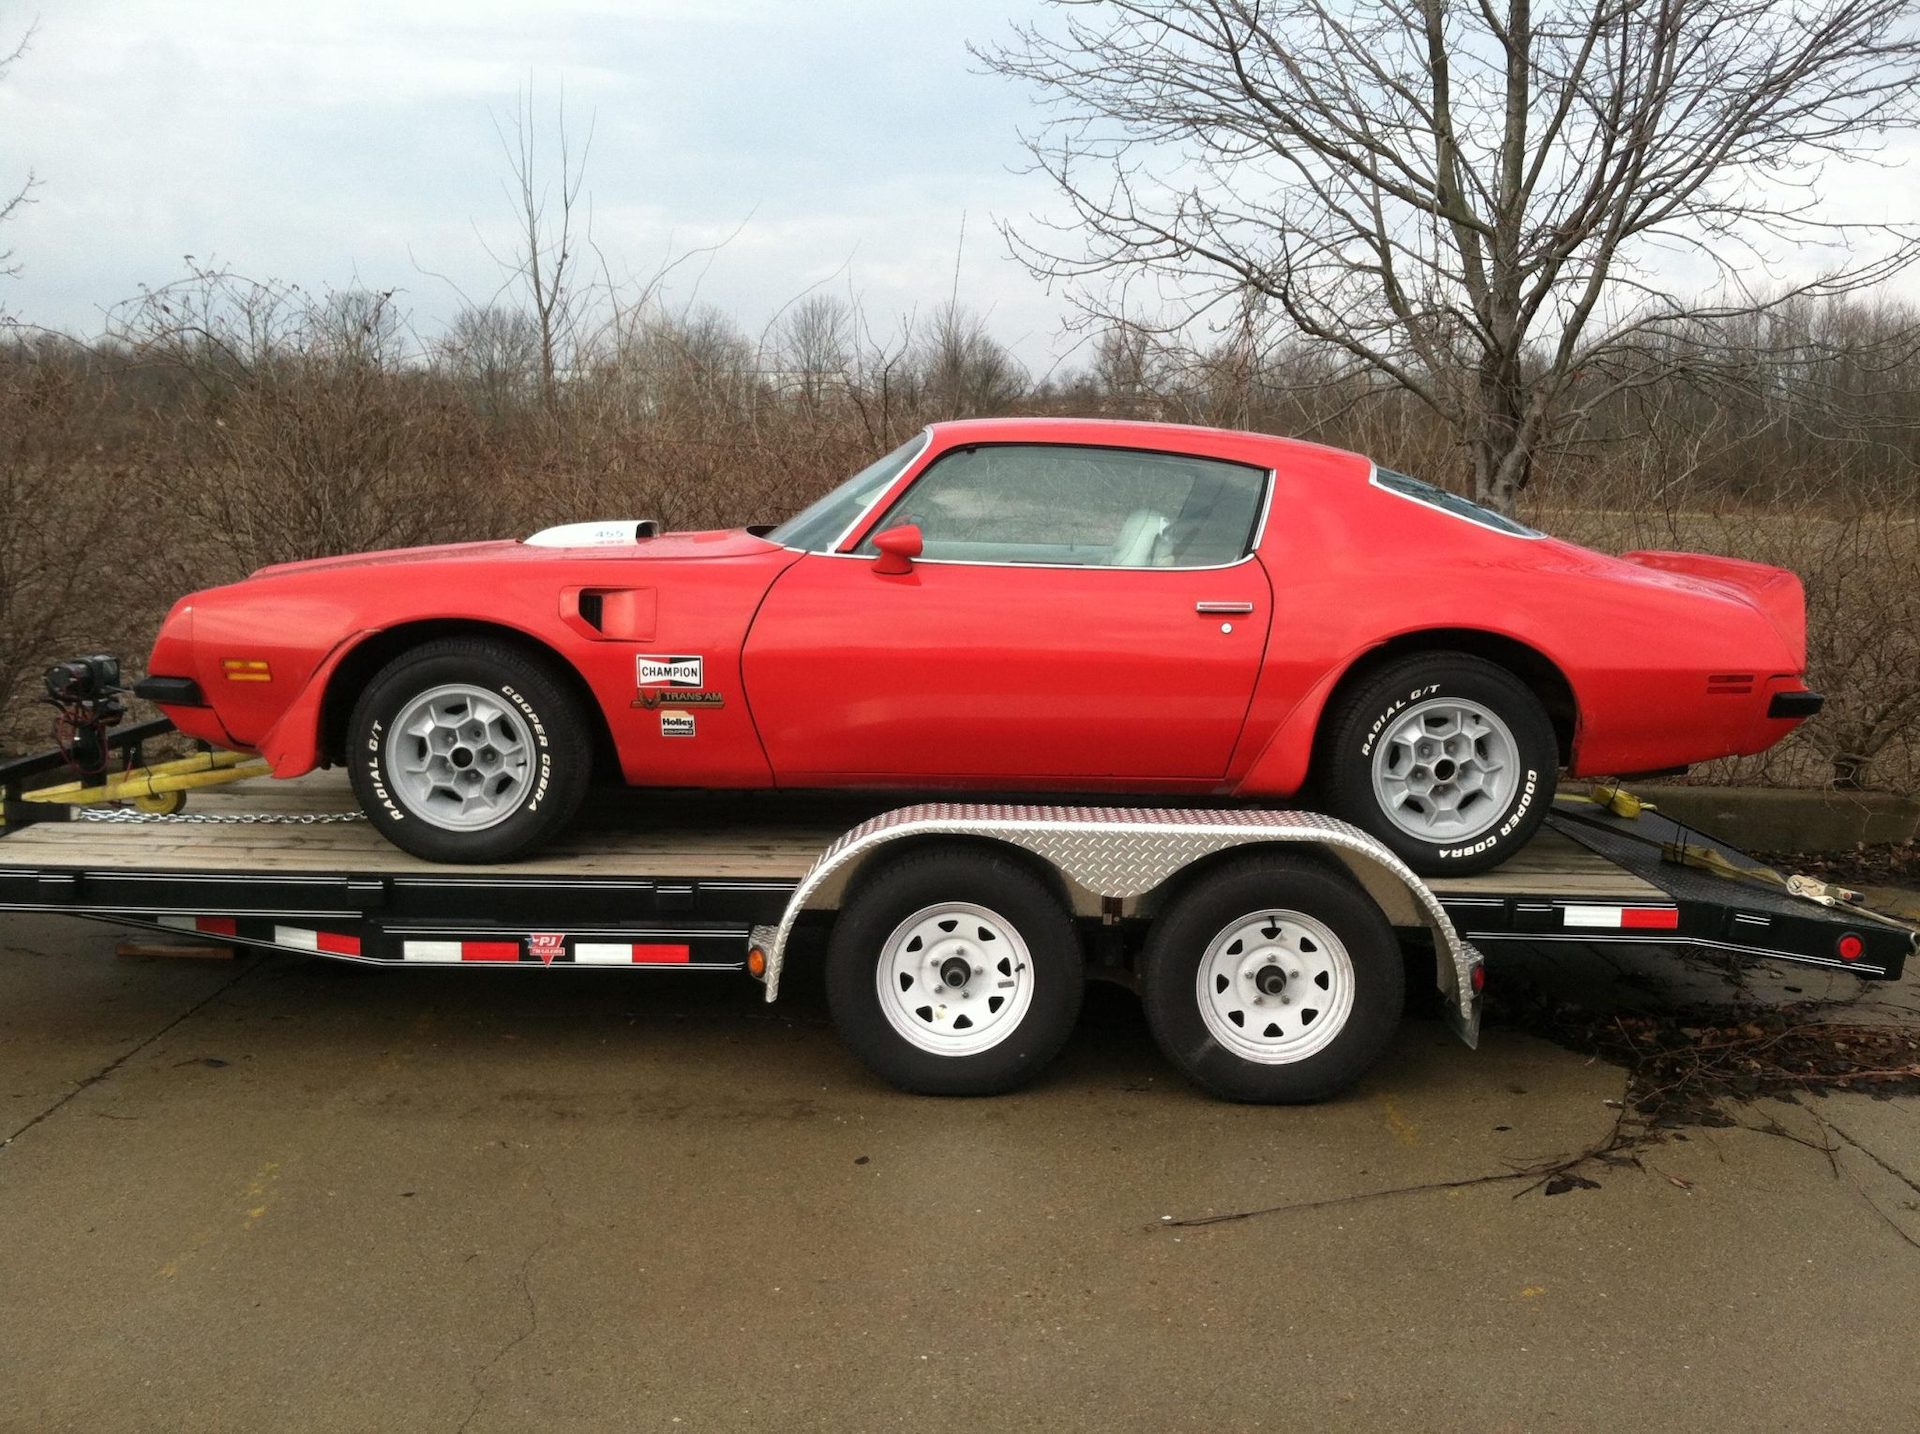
(1730, 684)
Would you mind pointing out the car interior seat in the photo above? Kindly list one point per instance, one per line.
(1142, 541)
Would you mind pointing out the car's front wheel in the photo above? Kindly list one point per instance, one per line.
(1447, 759)
(468, 750)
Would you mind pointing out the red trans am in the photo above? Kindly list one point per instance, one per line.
(1015, 606)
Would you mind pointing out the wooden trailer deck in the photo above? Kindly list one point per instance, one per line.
(673, 836)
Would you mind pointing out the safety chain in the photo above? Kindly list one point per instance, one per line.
(124, 816)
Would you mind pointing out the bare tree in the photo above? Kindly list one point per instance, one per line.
(1489, 204)
(813, 347)
(495, 351)
(550, 234)
(11, 205)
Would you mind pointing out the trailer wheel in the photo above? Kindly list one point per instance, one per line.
(1273, 980)
(468, 750)
(954, 973)
(1446, 758)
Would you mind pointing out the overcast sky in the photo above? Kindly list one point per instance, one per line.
(336, 142)
(353, 141)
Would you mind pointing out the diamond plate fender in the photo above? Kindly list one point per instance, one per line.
(1126, 851)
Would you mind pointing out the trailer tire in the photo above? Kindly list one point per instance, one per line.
(954, 972)
(1460, 747)
(1273, 980)
(517, 753)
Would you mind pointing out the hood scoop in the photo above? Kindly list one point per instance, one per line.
(601, 533)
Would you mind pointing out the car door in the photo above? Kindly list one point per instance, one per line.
(1079, 616)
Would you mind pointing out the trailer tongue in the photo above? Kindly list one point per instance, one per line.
(1265, 944)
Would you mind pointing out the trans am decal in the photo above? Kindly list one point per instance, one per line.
(678, 698)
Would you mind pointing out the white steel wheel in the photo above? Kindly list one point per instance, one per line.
(954, 979)
(1446, 769)
(1275, 987)
(954, 970)
(460, 757)
(1273, 977)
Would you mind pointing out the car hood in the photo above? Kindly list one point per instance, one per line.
(716, 543)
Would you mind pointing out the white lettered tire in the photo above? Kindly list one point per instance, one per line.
(1448, 759)
(468, 749)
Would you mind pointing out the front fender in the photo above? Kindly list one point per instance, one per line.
(292, 745)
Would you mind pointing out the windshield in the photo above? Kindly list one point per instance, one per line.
(817, 527)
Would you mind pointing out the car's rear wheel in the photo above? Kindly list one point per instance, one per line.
(468, 750)
(1447, 759)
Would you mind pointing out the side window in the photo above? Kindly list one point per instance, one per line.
(1082, 507)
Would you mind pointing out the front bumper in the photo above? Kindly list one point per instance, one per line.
(170, 691)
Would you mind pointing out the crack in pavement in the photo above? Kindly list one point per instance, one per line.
(480, 1390)
(118, 1061)
(1898, 1174)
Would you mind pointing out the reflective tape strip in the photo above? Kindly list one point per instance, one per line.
(629, 953)
(459, 951)
(326, 943)
(202, 925)
(1622, 918)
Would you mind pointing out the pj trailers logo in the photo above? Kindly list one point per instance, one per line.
(668, 671)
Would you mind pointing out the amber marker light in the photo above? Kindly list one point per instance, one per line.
(246, 669)
(756, 963)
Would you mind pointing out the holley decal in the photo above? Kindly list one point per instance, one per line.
(676, 724)
(651, 671)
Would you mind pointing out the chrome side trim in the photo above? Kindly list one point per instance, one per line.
(1126, 851)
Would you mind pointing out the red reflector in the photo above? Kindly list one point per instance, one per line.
(336, 944)
(1479, 979)
(1659, 918)
(650, 955)
(1850, 947)
(215, 925)
(489, 950)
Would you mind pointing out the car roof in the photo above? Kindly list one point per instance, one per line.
(1266, 449)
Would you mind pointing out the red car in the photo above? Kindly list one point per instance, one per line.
(1008, 605)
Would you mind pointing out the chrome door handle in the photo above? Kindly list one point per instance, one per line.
(1210, 609)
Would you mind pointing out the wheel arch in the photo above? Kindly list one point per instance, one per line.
(357, 668)
(1544, 677)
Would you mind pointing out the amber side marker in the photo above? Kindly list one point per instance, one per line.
(756, 962)
(246, 669)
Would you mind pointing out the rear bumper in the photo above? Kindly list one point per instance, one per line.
(1797, 706)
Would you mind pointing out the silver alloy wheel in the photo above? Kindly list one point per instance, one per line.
(1446, 770)
(460, 757)
(954, 979)
(1275, 987)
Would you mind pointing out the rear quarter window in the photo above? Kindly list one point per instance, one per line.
(1436, 497)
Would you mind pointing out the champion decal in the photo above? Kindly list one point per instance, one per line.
(652, 671)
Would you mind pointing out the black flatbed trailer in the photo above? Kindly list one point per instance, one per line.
(720, 883)
(704, 871)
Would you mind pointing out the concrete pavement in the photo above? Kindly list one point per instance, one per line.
(283, 1193)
